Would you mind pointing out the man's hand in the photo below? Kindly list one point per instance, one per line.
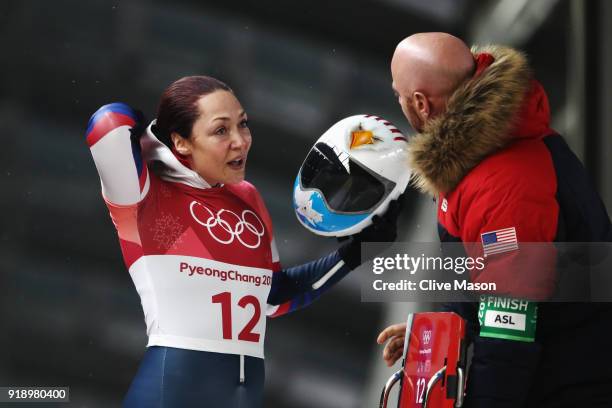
(395, 347)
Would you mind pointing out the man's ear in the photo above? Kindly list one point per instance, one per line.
(421, 105)
(181, 145)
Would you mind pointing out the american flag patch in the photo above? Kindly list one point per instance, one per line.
(495, 242)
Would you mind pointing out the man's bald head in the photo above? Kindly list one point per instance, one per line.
(432, 62)
(432, 65)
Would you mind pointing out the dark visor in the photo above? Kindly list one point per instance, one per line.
(359, 191)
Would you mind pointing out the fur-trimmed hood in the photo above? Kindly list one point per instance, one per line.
(483, 115)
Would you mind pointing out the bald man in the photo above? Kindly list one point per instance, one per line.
(502, 176)
(426, 69)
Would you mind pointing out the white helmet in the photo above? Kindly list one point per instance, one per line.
(351, 174)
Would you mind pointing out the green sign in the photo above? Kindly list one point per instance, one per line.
(507, 318)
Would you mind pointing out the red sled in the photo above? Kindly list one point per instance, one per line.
(433, 368)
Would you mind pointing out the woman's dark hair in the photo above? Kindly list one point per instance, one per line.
(178, 109)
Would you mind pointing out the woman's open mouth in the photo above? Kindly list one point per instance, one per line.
(237, 164)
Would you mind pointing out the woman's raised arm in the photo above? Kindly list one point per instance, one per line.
(112, 136)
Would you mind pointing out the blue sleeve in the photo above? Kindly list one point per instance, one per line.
(292, 288)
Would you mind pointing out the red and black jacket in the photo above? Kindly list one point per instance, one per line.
(494, 163)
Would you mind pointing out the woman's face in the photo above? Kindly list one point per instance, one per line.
(220, 139)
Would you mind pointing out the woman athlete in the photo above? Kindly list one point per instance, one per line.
(198, 242)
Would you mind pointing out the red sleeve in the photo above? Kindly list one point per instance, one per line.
(511, 220)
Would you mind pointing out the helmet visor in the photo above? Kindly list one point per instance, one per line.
(357, 189)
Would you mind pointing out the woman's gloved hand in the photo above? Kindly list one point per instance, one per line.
(383, 229)
(140, 127)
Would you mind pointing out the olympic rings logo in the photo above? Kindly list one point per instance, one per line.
(241, 226)
(426, 337)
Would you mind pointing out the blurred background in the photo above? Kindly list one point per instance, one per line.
(69, 313)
